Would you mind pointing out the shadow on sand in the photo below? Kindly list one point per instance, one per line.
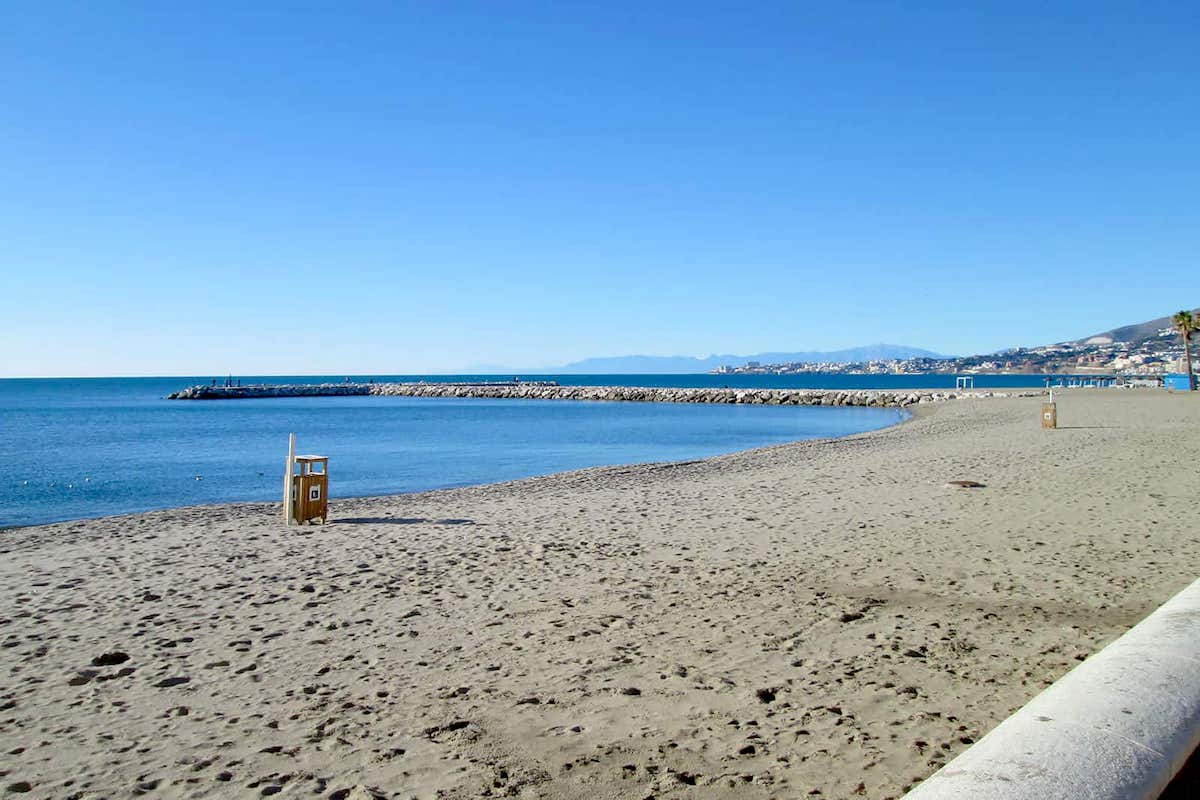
(403, 521)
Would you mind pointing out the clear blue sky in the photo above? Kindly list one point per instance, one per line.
(196, 188)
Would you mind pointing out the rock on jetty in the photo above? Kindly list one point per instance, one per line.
(203, 392)
(885, 398)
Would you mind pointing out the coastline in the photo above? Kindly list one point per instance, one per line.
(875, 418)
(802, 617)
(264, 507)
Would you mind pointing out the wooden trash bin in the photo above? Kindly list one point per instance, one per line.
(1049, 415)
(310, 489)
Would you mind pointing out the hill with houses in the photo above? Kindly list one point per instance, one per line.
(1147, 348)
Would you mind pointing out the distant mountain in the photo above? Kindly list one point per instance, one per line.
(675, 365)
(1134, 334)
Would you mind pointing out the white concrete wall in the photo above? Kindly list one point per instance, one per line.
(1117, 727)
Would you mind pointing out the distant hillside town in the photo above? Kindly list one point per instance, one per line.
(1153, 348)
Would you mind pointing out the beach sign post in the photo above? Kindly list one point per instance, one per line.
(287, 479)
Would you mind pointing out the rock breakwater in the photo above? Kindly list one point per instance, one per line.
(879, 398)
(203, 392)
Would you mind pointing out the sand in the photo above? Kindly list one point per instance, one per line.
(821, 619)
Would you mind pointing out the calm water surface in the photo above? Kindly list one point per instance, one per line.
(73, 448)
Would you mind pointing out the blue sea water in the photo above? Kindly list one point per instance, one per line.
(74, 448)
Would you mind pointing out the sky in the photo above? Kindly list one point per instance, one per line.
(351, 187)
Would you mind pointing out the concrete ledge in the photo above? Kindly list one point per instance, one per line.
(1117, 727)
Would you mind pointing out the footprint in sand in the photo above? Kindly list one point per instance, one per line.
(167, 683)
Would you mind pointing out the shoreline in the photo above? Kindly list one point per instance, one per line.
(907, 414)
(825, 615)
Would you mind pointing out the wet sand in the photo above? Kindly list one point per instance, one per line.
(821, 619)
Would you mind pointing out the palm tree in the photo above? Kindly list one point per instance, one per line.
(1186, 324)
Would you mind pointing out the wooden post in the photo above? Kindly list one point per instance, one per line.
(1050, 413)
(287, 480)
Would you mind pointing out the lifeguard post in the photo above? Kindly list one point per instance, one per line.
(306, 487)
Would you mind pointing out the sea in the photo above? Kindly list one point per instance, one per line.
(74, 448)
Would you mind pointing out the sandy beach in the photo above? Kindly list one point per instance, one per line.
(821, 619)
